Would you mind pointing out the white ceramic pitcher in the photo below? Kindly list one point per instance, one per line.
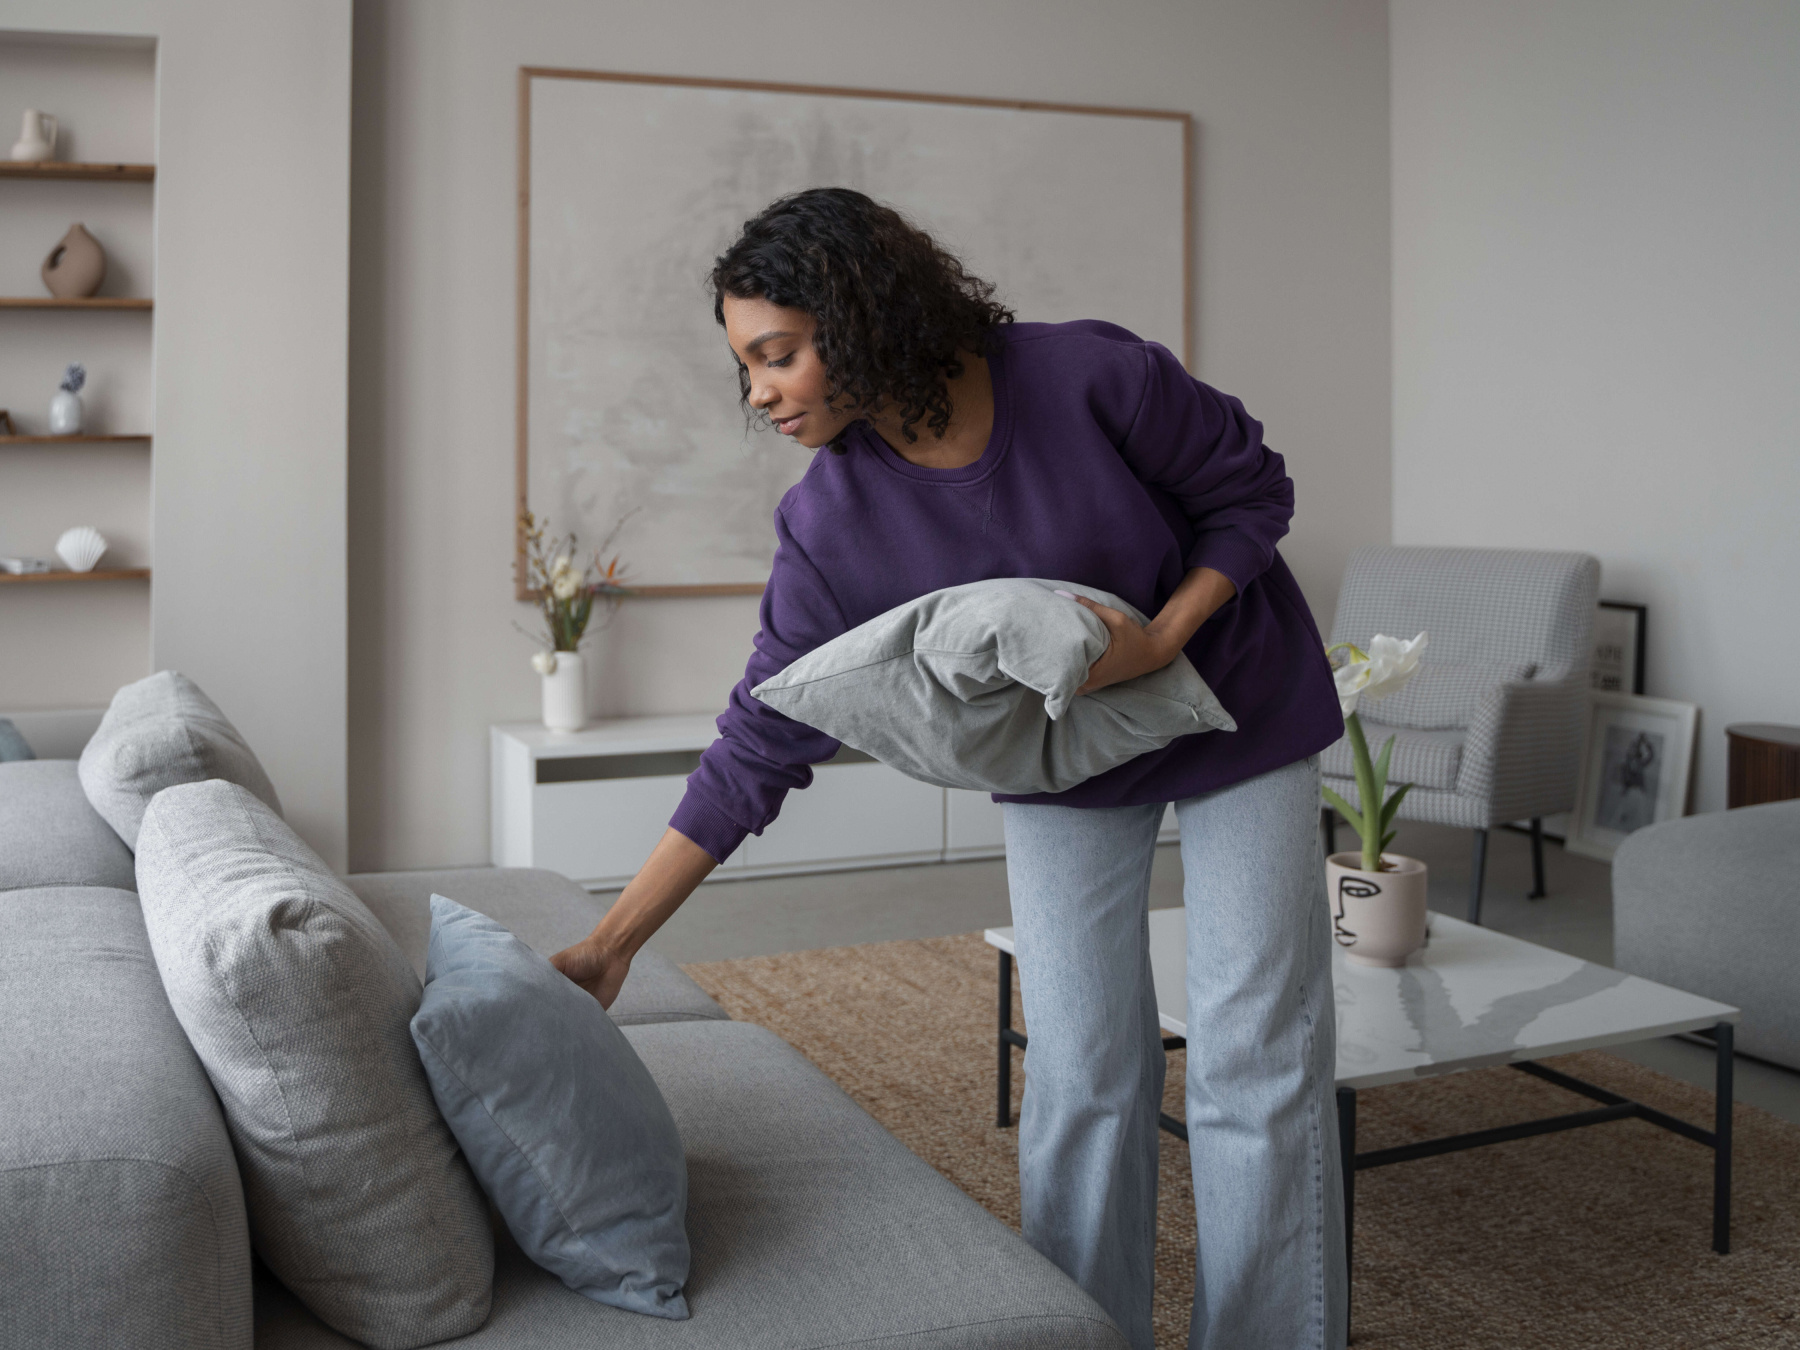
(37, 138)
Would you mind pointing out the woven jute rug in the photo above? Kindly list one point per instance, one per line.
(1591, 1238)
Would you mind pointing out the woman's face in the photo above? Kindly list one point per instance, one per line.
(787, 378)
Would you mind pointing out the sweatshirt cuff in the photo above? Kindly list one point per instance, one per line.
(1240, 559)
(707, 826)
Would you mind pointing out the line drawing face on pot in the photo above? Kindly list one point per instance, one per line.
(1358, 887)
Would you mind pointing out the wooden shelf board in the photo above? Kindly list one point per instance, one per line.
(70, 440)
(92, 302)
(66, 170)
(101, 574)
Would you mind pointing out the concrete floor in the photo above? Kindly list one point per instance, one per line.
(754, 918)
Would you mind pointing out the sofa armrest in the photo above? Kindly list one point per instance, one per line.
(1523, 750)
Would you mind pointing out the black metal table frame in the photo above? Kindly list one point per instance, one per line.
(1612, 1107)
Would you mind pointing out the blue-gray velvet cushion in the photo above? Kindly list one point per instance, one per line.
(560, 1120)
(974, 687)
(12, 744)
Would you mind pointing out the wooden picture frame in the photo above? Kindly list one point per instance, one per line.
(1636, 769)
(523, 272)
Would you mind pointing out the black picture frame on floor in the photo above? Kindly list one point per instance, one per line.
(1618, 648)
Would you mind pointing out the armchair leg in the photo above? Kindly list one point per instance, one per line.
(1537, 859)
(1477, 875)
(1329, 818)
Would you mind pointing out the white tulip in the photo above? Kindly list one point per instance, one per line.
(564, 585)
(544, 663)
(1382, 670)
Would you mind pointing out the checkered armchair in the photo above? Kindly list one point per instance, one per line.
(1489, 729)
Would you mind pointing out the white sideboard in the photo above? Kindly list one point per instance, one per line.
(592, 803)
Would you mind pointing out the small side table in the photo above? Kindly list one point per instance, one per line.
(1764, 763)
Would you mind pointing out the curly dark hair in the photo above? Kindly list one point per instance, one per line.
(893, 309)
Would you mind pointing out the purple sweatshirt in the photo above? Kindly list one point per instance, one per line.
(1108, 465)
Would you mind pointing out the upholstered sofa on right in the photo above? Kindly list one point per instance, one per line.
(126, 1222)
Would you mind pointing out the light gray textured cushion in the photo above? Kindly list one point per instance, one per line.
(161, 731)
(812, 1227)
(974, 687)
(297, 1002)
(1426, 758)
(1445, 695)
(50, 836)
(13, 745)
(1710, 904)
(544, 910)
(121, 1214)
(557, 1115)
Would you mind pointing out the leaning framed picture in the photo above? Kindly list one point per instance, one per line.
(1618, 648)
(1635, 769)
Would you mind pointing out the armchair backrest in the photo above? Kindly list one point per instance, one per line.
(1492, 607)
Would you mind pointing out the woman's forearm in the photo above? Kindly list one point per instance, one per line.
(1199, 596)
(668, 877)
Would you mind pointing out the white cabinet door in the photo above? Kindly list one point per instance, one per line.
(601, 830)
(974, 825)
(852, 812)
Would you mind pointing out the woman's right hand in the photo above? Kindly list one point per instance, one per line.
(602, 959)
(596, 967)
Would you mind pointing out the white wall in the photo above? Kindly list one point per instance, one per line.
(1290, 97)
(248, 465)
(1596, 281)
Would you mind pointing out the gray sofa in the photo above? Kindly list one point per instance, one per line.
(125, 1223)
(1711, 904)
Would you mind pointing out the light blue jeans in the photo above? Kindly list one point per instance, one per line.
(1261, 1107)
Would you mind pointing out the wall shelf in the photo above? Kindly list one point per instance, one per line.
(68, 170)
(92, 302)
(99, 574)
(73, 440)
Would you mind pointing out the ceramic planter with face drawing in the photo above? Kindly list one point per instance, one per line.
(1378, 918)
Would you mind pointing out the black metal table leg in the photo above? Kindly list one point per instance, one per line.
(1477, 875)
(1537, 859)
(1003, 1110)
(1346, 1105)
(1722, 1043)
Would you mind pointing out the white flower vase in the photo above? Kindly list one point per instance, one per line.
(65, 414)
(1378, 918)
(565, 692)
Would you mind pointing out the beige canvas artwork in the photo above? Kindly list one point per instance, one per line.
(628, 400)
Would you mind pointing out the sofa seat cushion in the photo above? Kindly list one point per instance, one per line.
(297, 1002)
(544, 910)
(811, 1227)
(160, 731)
(123, 1217)
(1427, 758)
(50, 836)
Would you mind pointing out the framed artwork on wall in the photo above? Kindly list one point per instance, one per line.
(630, 185)
(1618, 648)
(1636, 767)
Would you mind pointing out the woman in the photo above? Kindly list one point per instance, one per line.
(963, 446)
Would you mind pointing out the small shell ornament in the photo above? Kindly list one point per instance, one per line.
(81, 548)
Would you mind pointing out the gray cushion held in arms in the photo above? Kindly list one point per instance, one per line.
(974, 687)
(298, 1002)
(560, 1119)
(158, 732)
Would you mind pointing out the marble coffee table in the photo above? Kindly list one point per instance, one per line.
(1471, 999)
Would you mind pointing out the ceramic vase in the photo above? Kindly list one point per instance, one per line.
(1378, 918)
(565, 693)
(65, 414)
(37, 138)
(76, 266)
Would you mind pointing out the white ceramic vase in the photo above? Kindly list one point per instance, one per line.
(65, 414)
(1378, 918)
(37, 138)
(565, 693)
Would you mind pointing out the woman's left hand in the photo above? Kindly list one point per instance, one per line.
(1132, 649)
